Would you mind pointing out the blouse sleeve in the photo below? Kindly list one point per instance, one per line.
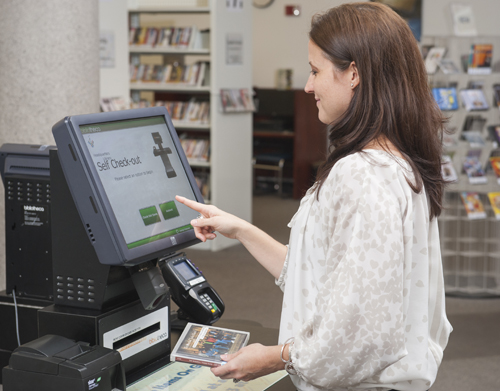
(358, 327)
(281, 280)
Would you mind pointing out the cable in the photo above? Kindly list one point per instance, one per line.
(17, 317)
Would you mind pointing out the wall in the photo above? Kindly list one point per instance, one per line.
(280, 41)
(49, 69)
(113, 18)
(437, 20)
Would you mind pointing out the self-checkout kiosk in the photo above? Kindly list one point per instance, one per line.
(116, 233)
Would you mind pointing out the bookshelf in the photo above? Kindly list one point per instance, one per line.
(227, 174)
(138, 86)
(470, 247)
(286, 125)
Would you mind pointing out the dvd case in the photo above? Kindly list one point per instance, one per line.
(203, 345)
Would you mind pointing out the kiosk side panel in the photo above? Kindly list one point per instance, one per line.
(84, 196)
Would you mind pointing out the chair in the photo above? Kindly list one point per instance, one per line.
(273, 162)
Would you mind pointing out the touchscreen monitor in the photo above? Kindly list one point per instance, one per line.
(124, 170)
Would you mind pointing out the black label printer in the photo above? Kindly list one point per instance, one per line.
(56, 363)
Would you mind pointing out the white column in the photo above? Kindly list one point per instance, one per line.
(49, 68)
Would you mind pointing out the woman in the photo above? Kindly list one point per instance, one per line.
(363, 303)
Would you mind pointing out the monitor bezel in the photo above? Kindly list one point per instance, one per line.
(154, 249)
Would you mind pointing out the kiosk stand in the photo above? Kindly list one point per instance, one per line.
(94, 302)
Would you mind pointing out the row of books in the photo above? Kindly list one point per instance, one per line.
(193, 75)
(477, 62)
(203, 181)
(196, 150)
(191, 112)
(475, 208)
(169, 38)
(472, 167)
(472, 99)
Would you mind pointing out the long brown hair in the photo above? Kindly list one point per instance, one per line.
(393, 98)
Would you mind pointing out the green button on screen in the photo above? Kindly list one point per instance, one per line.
(169, 210)
(150, 215)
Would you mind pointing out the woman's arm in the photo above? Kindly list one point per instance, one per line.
(267, 251)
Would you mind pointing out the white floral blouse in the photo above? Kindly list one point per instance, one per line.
(363, 282)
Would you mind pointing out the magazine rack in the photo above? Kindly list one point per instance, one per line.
(470, 248)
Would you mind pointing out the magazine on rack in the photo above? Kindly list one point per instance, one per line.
(494, 198)
(473, 205)
(474, 171)
(203, 345)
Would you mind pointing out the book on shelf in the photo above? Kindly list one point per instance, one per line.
(446, 98)
(474, 170)
(464, 24)
(447, 170)
(448, 66)
(433, 59)
(175, 73)
(474, 99)
(480, 59)
(495, 165)
(464, 62)
(494, 198)
(473, 205)
(203, 345)
(152, 36)
(141, 36)
(202, 179)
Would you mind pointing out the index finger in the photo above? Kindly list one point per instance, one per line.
(221, 371)
(192, 204)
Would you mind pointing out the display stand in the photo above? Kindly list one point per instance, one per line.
(93, 302)
(470, 247)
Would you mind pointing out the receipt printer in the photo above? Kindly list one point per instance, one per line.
(55, 363)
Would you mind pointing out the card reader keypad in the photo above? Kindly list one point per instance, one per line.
(209, 303)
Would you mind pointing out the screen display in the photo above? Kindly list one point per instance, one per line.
(141, 173)
(185, 270)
